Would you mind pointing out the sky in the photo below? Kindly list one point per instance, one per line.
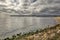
(40, 7)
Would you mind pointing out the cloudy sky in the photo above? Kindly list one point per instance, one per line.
(40, 7)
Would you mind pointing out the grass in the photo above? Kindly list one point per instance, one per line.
(49, 33)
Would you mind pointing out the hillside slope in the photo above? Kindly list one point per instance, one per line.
(52, 33)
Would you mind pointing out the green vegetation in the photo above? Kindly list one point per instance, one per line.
(49, 33)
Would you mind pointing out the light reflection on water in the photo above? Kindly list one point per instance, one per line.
(26, 24)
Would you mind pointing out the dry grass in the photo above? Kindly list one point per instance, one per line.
(52, 33)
